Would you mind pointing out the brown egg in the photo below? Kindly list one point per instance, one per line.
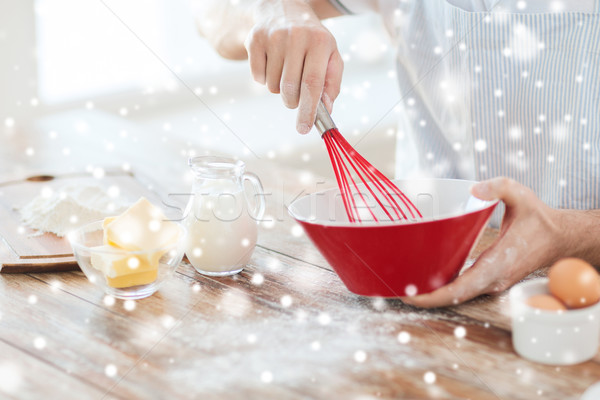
(575, 282)
(546, 302)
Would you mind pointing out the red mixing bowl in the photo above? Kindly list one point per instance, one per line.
(393, 259)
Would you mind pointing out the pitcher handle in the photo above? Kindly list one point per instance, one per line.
(259, 195)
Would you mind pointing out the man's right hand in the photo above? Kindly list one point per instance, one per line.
(291, 52)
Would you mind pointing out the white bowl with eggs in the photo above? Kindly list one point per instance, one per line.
(562, 337)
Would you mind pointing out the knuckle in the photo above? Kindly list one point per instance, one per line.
(296, 32)
(529, 198)
(312, 81)
(277, 36)
(334, 91)
(340, 61)
(458, 300)
(290, 94)
(510, 185)
(311, 35)
(499, 287)
(505, 182)
(320, 36)
(289, 89)
(456, 297)
(254, 38)
(273, 87)
(250, 45)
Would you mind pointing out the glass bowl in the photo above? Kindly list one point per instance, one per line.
(125, 274)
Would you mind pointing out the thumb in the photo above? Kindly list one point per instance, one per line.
(505, 189)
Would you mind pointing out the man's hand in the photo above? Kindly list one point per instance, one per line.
(532, 236)
(294, 54)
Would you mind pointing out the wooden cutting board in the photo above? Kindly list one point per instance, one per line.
(23, 251)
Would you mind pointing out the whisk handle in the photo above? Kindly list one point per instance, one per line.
(323, 121)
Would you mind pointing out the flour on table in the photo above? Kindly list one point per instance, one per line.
(68, 208)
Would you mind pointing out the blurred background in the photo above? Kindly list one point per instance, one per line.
(132, 79)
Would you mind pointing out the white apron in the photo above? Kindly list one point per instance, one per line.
(500, 94)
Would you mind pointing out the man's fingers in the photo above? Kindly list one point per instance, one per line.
(333, 80)
(257, 58)
(473, 282)
(291, 78)
(453, 293)
(311, 88)
(273, 70)
(299, 59)
(292, 75)
(444, 296)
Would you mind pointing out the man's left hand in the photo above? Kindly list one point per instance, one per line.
(530, 237)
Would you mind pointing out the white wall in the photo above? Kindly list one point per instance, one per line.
(139, 65)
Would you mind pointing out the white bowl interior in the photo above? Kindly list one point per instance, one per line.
(434, 198)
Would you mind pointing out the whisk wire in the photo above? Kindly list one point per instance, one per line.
(341, 153)
(367, 169)
(340, 178)
(343, 181)
(378, 179)
(348, 175)
(348, 155)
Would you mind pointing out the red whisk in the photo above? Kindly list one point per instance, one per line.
(382, 197)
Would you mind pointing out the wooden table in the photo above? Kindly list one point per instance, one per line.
(284, 328)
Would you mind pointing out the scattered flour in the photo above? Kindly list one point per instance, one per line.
(68, 208)
(293, 350)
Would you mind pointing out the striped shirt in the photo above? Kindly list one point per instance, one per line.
(492, 88)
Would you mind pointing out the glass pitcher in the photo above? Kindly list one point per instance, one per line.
(222, 221)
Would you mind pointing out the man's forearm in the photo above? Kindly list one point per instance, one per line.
(582, 234)
(226, 25)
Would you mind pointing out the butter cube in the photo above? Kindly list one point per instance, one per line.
(125, 270)
(141, 278)
(105, 223)
(141, 227)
